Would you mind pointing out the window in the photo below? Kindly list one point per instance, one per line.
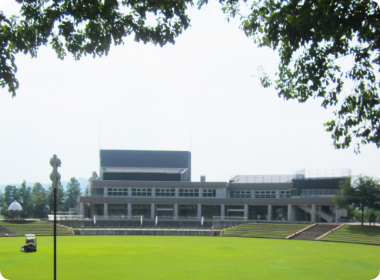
(240, 194)
(209, 193)
(265, 194)
(320, 192)
(165, 192)
(141, 192)
(284, 194)
(188, 192)
(117, 192)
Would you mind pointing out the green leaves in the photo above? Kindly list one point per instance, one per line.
(82, 27)
(361, 192)
(313, 38)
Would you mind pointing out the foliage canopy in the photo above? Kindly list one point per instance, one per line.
(312, 37)
(362, 192)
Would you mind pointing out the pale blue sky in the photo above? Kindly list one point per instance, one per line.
(147, 97)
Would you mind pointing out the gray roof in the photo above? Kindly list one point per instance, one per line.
(144, 170)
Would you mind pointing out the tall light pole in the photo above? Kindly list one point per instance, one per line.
(55, 178)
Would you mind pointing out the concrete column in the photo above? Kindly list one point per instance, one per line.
(81, 208)
(199, 210)
(200, 192)
(222, 211)
(92, 212)
(290, 212)
(129, 191)
(153, 192)
(270, 215)
(152, 212)
(105, 191)
(176, 192)
(105, 210)
(313, 213)
(246, 212)
(129, 210)
(176, 211)
(277, 193)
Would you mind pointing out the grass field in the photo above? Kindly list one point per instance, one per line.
(172, 257)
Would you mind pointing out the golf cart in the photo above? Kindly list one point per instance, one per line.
(31, 243)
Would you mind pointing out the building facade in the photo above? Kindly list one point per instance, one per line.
(153, 184)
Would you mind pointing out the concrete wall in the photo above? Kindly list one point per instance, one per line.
(147, 232)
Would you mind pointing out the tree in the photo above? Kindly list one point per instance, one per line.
(10, 194)
(313, 37)
(60, 198)
(85, 27)
(1, 203)
(72, 193)
(361, 192)
(38, 201)
(25, 194)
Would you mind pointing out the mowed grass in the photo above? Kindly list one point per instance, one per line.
(172, 257)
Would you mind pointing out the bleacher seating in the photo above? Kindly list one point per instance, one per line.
(264, 230)
(355, 234)
(39, 228)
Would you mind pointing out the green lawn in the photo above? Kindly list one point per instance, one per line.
(172, 257)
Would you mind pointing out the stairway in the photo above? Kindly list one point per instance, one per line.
(328, 218)
(314, 232)
(5, 232)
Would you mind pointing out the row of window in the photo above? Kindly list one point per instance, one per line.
(117, 192)
(211, 193)
(161, 192)
(314, 192)
(258, 194)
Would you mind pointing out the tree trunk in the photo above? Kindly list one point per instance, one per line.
(362, 214)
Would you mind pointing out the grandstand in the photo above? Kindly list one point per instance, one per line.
(22, 227)
(355, 234)
(264, 230)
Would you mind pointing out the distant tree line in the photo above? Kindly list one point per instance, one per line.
(37, 202)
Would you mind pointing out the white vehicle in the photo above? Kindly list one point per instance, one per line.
(31, 243)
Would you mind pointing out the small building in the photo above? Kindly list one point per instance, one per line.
(134, 183)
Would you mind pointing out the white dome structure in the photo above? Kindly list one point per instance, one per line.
(15, 206)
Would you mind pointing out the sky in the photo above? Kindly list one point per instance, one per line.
(201, 95)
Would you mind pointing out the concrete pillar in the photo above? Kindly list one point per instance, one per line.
(105, 210)
(81, 208)
(200, 192)
(176, 211)
(246, 212)
(337, 216)
(290, 212)
(199, 211)
(105, 191)
(129, 191)
(222, 211)
(277, 193)
(129, 210)
(92, 212)
(270, 215)
(153, 192)
(313, 213)
(176, 192)
(152, 212)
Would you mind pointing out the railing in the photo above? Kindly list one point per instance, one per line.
(65, 217)
(230, 218)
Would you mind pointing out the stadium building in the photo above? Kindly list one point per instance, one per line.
(152, 184)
